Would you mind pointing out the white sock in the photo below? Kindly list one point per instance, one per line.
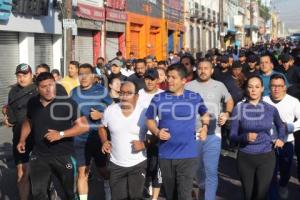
(83, 197)
(107, 190)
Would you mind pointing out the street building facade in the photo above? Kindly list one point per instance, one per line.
(145, 29)
(28, 34)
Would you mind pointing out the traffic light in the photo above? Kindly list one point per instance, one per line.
(31, 7)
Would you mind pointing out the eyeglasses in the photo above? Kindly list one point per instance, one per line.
(84, 75)
(126, 93)
(277, 86)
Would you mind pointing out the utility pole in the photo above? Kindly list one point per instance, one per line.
(67, 35)
(221, 32)
(251, 20)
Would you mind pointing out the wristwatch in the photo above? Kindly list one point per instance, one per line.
(62, 134)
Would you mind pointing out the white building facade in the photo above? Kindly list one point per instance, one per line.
(201, 22)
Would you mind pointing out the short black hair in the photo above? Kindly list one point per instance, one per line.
(119, 53)
(252, 77)
(43, 76)
(55, 71)
(162, 62)
(190, 57)
(277, 76)
(140, 60)
(180, 68)
(44, 66)
(73, 62)
(100, 58)
(267, 55)
(87, 66)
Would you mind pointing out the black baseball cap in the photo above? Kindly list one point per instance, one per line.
(151, 74)
(23, 68)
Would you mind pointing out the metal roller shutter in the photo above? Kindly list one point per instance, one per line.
(112, 45)
(43, 49)
(84, 47)
(9, 56)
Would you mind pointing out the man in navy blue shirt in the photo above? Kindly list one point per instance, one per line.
(176, 110)
(92, 99)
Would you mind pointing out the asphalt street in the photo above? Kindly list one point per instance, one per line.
(229, 184)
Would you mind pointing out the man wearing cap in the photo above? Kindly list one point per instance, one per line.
(116, 70)
(15, 114)
(291, 72)
(223, 72)
(128, 70)
(242, 59)
(253, 67)
(149, 62)
(145, 97)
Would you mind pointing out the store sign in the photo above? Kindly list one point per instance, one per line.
(116, 4)
(115, 15)
(96, 3)
(91, 12)
(5, 9)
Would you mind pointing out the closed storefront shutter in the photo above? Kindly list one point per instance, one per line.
(43, 49)
(9, 56)
(134, 42)
(112, 45)
(84, 47)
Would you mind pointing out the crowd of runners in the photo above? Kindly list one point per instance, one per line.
(156, 128)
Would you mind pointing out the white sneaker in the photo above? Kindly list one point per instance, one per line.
(283, 192)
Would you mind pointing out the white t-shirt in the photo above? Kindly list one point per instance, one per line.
(289, 109)
(123, 131)
(126, 72)
(145, 98)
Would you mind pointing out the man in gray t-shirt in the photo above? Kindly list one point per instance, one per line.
(220, 104)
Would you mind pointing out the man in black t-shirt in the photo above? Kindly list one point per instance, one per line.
(52, 122)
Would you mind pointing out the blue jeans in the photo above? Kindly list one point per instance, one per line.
(210, 150)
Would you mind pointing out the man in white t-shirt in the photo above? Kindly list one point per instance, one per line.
(289, 110)
(126, 124)
(145, 97)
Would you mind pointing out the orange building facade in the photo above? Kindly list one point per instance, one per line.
(145, 36)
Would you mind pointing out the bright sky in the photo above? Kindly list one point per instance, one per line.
(289, 12)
